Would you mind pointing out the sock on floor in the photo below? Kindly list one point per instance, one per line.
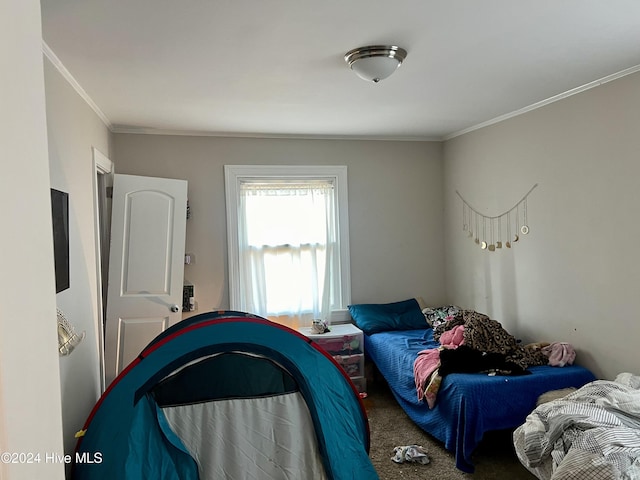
(410, 453)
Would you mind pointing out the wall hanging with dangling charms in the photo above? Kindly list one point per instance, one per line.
(500, 225)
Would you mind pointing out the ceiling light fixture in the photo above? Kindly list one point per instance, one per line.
(375, 63)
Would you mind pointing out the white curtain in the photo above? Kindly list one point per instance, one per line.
(288, 252)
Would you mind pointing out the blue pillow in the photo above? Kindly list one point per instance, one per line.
(381, 317)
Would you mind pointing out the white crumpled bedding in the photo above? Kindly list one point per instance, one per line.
(592, 433)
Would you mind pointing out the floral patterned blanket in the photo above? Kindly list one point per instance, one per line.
(488, 347)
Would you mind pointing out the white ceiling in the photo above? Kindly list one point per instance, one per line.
(276, 68)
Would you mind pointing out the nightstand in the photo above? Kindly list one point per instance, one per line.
(345, 343)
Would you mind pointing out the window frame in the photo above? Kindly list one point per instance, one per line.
(235, 174)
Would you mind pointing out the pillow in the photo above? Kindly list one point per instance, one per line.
(381, 317)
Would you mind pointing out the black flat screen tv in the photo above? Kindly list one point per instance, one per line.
(60, 216)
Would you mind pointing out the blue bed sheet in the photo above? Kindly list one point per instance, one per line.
(468, 404)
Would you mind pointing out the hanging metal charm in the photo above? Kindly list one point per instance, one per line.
(471, 219)
(516, 237)
(466, 220)
(492, 247)
(477, 240)
(524, 229)
(483, 245)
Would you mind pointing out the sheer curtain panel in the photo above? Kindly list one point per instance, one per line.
(288, 250)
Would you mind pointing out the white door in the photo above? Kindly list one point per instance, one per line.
(146, 265)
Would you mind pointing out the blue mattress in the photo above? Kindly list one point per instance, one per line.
(468, 404)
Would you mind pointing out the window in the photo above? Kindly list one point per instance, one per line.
(288, 241)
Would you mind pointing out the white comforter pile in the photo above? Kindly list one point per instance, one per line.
(592, 433)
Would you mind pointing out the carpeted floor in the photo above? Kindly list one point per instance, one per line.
(391, 427)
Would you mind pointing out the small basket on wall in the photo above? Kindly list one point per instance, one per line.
(68, 339)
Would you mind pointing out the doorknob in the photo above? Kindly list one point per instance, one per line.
(175, 308)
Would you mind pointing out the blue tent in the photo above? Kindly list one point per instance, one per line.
(228, 395)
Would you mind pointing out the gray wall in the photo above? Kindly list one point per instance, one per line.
(29, 375)
(73, 129)
(576, 276)
(395, 206)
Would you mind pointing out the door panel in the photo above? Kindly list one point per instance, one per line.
(155, 251)
(134, 332)
(146, 265)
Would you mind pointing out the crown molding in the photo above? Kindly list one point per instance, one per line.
(53, 58)
(542, 103)
(206, 133)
